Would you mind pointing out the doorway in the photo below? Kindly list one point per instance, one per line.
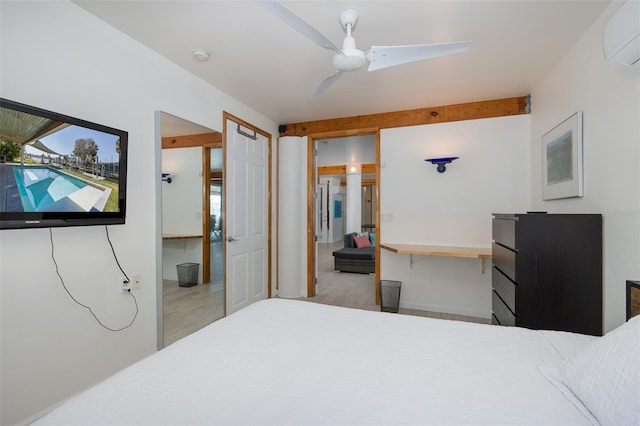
(339, 211)
(191, 167)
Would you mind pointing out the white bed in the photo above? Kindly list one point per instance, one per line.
(281, 362)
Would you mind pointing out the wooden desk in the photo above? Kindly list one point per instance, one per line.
(185, 237)
(179, 236)
(482, 253)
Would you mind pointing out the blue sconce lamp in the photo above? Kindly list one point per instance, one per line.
(441, 162)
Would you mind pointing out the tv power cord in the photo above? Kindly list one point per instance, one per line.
(135, 301)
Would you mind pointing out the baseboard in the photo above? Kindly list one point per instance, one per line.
(454, 310)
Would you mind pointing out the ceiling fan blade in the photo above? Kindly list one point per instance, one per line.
(328, 82)
(386, 56)
(300, 25)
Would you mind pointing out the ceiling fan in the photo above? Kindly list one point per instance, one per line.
(349, 58)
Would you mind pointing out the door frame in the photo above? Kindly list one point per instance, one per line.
(311, 188)
(206, 205)
(228, 116)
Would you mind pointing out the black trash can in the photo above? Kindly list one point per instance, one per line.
(389, 295)
(188, 274)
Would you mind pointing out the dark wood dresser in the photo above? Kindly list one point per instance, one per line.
(547, 271)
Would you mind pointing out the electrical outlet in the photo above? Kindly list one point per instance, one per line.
(126, 284)
(136, 282)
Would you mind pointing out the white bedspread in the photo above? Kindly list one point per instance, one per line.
(283, 362)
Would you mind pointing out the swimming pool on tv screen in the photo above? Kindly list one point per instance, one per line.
(44, 189)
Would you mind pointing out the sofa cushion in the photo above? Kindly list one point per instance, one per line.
(362, 241)
(366, 253)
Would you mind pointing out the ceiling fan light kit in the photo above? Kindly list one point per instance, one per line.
(350, 58)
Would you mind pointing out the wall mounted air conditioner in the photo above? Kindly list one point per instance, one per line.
(622, 36)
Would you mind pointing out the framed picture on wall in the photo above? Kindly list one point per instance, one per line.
(562, 160)
(337, 209)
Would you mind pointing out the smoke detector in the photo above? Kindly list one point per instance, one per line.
(200, 55)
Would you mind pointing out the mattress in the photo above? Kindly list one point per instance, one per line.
(280, 362)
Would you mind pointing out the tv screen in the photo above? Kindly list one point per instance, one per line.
(57, 170)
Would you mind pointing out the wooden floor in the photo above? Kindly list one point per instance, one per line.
(187, 309)
(358, 290)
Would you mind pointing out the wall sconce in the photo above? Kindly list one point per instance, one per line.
(441, 162)
(166, 177)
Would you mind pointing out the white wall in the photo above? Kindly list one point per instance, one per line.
(610, 100)
(419, 205)
(182, 209)
(182, 198)
(56, 56)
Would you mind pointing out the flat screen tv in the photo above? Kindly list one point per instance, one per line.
(57, 170)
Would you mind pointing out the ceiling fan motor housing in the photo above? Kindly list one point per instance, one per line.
(352, 59)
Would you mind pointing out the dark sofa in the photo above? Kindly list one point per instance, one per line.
(353, 259)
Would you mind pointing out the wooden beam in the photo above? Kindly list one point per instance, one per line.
(211, 140)
(368, 168)
(341, 169)
(415, 117)
(365, 182)
(332, 170)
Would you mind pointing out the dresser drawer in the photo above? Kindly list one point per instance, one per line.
(500, 311)
(505, 260)
(505, 288)
(504, 232)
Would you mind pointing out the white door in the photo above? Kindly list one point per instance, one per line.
(247, 165)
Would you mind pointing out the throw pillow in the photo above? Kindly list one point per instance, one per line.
(605, 376)
(362, 242)
(372, 238)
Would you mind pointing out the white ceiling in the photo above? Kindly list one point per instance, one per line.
(262, 62)
(170, 125)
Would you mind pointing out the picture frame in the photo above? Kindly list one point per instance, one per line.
(562, 168)
(337, 209)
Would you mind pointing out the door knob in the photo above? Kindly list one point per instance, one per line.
(231, 239)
